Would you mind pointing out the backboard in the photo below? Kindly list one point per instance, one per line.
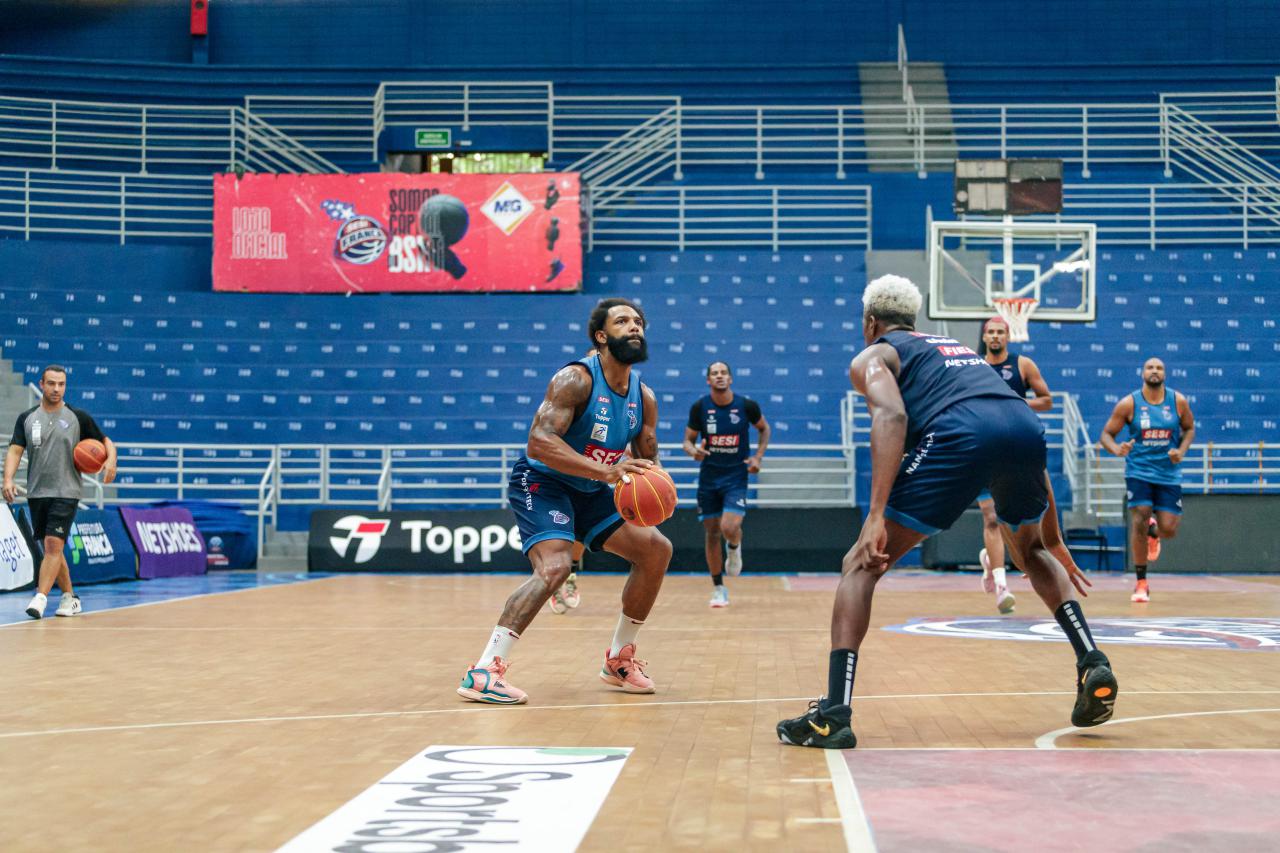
(972, 263)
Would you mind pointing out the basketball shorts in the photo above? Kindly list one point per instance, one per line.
(1159, 496)
(52, 516)
(995, 442)
(722, 493)
(547, 508)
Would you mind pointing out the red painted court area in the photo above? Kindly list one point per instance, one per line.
(1061, 800)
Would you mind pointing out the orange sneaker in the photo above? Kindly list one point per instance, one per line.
(626, 671)
(1141, 594)
(1153, 542)
(485, 684)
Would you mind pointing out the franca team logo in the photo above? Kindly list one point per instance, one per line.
(361, 239)
(367, 533)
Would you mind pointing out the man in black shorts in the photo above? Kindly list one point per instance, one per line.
(49, 434)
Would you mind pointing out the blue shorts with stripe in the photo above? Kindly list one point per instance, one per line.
(547, 508)
(722, 491)
(994, 442)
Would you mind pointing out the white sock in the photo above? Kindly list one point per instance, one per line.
(501, 642)
(997, 574)
(624, 634)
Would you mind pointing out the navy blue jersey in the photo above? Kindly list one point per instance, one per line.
(1010, 370)
(937, 372)
(606, 426)
(725, 429)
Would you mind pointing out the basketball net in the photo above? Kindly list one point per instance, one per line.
(1016, 312)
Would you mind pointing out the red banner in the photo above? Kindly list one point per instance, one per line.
(396, 232)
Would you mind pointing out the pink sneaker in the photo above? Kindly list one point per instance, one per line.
(485, 684)
(626, 671)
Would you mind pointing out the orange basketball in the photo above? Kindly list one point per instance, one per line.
(90, 455)
(646, 499)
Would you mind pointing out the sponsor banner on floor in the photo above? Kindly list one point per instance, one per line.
(17, 568)
(98, 548)
(1179, 631)
(475, 798)
(167, 542)
(342, 541)
(396, 232)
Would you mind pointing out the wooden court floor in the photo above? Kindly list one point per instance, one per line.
(236, 721)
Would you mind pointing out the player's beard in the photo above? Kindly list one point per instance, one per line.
(995, 349)
(1154, 381)
(628, 350)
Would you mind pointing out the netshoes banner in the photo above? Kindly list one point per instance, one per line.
(167, 542)
(98, 548)
(17, 569)
(396, 232)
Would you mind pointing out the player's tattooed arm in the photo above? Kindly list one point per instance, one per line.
(874, 375)
(645, 445)
(1120, 416)
(567, 395)
(1188, 424)
(1032, 378)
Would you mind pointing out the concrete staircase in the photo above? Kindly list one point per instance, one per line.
(14, 396)
(890, 145)
(285, 551)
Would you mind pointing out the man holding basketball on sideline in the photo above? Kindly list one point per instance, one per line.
(966, 429)
(719, 436)
(595, 408)
(49, 434)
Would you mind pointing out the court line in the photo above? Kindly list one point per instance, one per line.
(1046, 740)
(87, 613)
(473, 708)
(857, 828)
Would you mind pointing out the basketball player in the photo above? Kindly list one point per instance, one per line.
(1019, 373)
(966, 428)
(49, 433)
(720, 422)
(1161, 428)
(594, 408)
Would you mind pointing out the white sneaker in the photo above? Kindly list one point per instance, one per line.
(68, 606)
(1004, 599)
(720, 598)
(36, 608)
(733, 562)
(572, 597)
(988, 582)
(557, 601)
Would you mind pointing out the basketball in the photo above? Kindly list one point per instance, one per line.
(647, 498)
(90, 455)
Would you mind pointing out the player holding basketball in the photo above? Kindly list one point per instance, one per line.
(1019, 373)
(1161, 428)
(594, 409)
(966, 428)
(721, 424)
(49, 434)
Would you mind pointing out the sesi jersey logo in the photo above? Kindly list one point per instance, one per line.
(603, 455)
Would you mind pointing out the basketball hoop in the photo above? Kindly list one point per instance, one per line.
(1017, 313)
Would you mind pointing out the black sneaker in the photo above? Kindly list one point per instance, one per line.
(827, 729)
(1096, 690)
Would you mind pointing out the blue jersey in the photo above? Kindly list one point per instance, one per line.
(605, 428)
(1010, 370)
(1155, 430)
(937, 372)
(726, 430)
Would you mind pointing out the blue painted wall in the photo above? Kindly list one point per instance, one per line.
(591, 33)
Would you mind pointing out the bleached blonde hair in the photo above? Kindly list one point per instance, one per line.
(893, 299)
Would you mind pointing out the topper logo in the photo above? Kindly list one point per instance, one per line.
(369, 532)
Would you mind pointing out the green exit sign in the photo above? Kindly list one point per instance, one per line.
(430, 137)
